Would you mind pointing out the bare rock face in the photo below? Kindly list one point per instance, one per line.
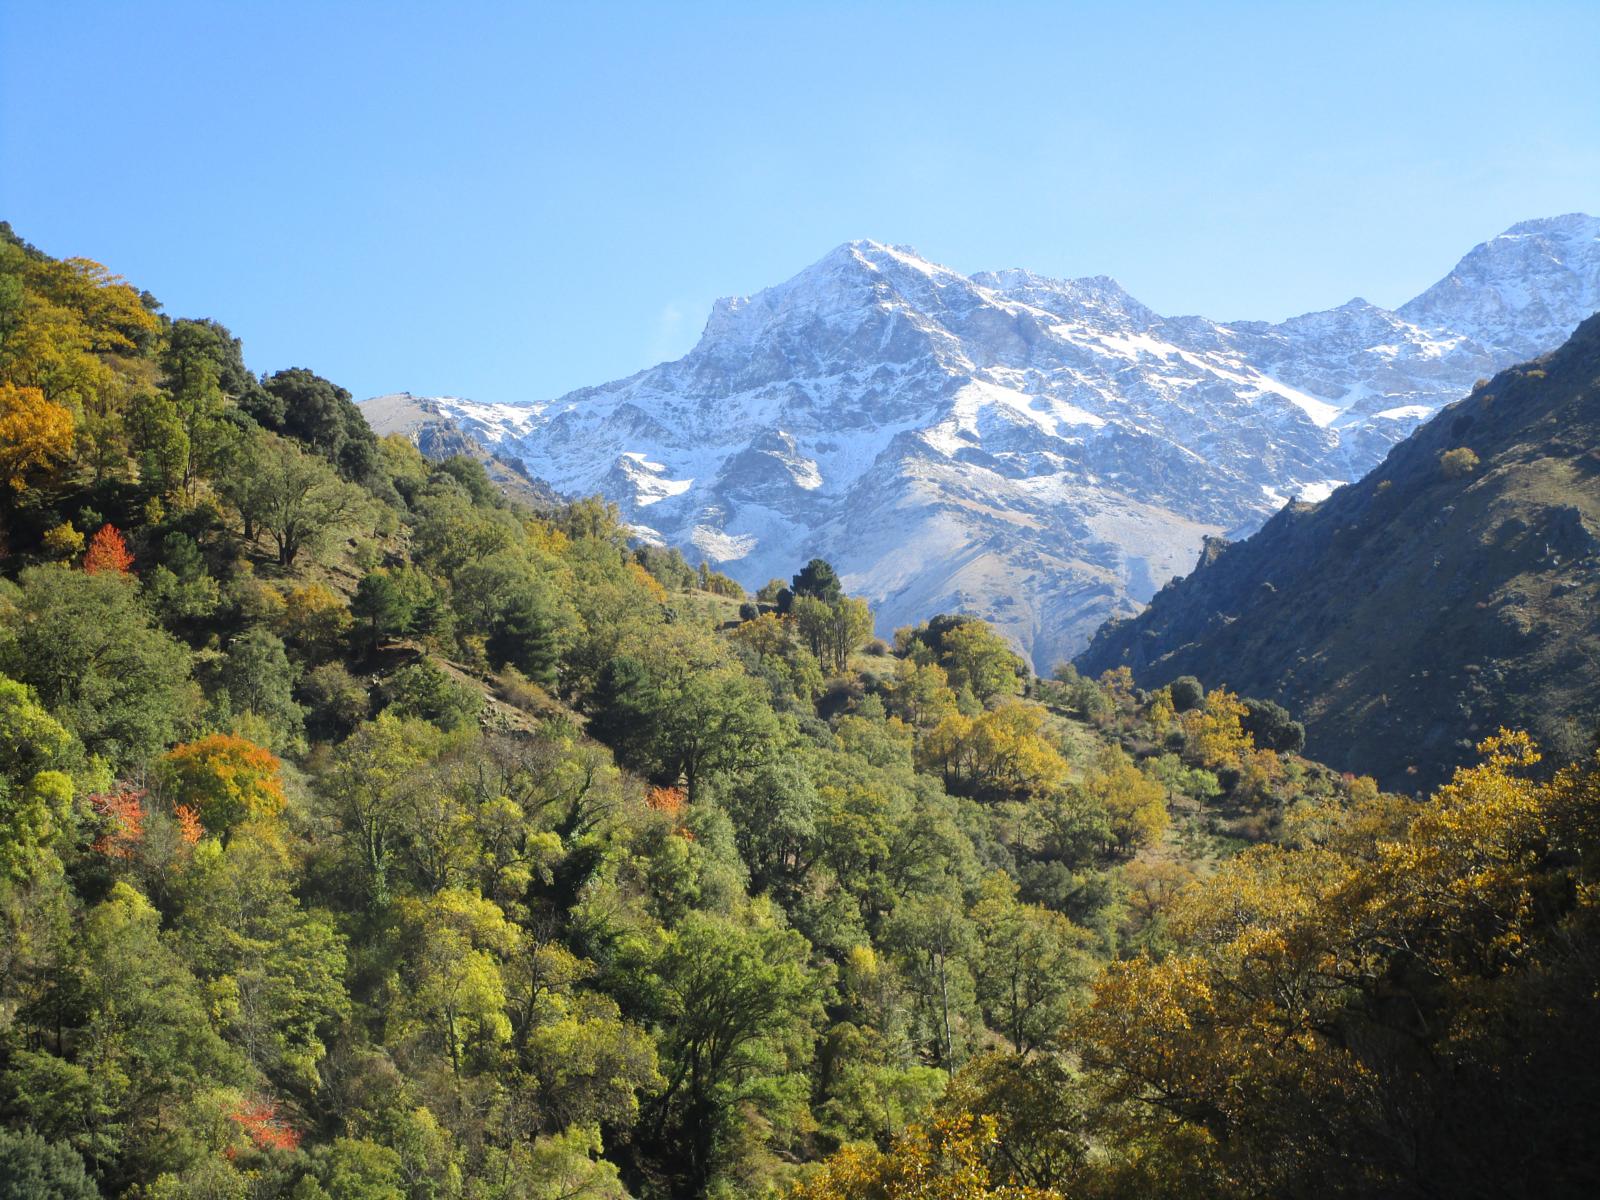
(1044, 453)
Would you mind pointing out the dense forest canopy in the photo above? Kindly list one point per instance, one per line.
(364, 836)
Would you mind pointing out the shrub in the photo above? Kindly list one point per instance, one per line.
(1458, 462)
(1271, 727)
(1187, 693)
(517, 690)
(63, 541)
(337, 700)
(424, 690)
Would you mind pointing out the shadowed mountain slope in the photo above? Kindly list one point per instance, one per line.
(1412, 613)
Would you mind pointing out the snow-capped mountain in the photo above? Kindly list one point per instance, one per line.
(1045, 453)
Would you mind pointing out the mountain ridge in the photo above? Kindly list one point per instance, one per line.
(1040, 452)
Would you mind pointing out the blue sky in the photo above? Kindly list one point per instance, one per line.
(508, 201)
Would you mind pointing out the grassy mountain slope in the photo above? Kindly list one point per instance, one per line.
(1414, 612)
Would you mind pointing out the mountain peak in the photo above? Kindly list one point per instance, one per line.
(870, 255)
(1521, 291)
(844, 287)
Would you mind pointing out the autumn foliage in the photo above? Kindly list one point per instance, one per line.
(648, 582)
(264, 1125)
(672, 803)
(107, 552)
(225, 779)
(668, 801)
(34, 433)
(122, 812)
(945, 1159)
(190, 828)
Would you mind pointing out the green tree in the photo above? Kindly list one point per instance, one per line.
(1187, 693)
(210, 342)
(460, 941)
(357, 1169)
(819, 580)
(850, 624)
(34, 1169)
(978, 658)
(337, 701)
(87, 647)
(192, 363)
(363, 791)
(322, 415)
(255, 677)
(935, 941)
(423, 689)
(244, 476)
(273, 970)
(528, 631)
(514, 604)
(814, 621)
(160, 441)
(1030, 962)
(775, 810)
(587, 1063)
(382, 605)
(677, 710)
(143, 1044)
(36, 751)
(741, 1003)
(180, 588)
(560, 1166)
(717, 721)
(303, 503)
(1271, 727)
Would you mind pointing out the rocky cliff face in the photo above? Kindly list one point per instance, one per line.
(1412, 614)
(1044, 453)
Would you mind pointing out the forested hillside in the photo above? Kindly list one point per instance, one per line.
(1453, 590)
(367, 836)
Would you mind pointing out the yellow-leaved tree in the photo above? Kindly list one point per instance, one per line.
(1415, 980)
(944, 1159)
(36, 435)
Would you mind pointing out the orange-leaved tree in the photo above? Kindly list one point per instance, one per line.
(107, 552)
(227, 780)
(190, 828)
(122, 812)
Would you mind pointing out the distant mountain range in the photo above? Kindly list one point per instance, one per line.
(1410, 615)
(1043, 453)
